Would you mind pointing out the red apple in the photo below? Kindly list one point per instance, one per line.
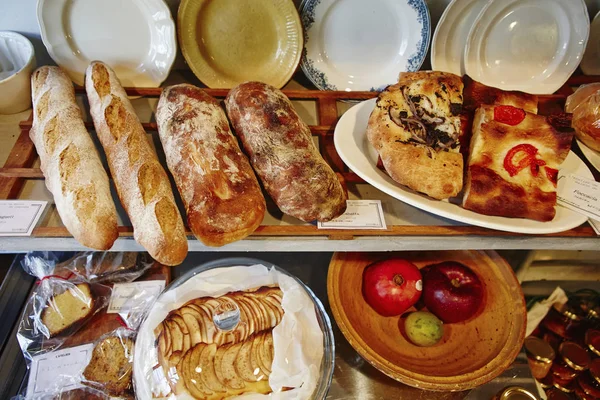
(451, 291)
(391, 286)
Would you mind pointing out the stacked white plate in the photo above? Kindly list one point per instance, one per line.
(362, 45)
(528, 45)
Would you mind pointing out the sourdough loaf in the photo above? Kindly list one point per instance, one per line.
(280, 147)
(142, 183)
(221, 194)
(73, 170)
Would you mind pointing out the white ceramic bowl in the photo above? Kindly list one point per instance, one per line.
(17, 60)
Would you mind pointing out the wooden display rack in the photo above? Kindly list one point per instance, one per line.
(18, 168)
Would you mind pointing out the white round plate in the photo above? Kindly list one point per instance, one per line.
(363, 45)
(590, 65)
(134, 37)
(450, 38)
(529, 45)
(355, 150)
(593, 156)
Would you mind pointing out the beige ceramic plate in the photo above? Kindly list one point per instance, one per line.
(470, 353)
(228, 42)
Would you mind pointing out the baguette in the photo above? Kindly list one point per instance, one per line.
(280, 147)
(69, 160)
(142, 183)
(218, 187)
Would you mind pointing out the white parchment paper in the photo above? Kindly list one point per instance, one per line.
(539, 310)
(298, 339)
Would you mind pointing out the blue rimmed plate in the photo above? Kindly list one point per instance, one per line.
(363, 45)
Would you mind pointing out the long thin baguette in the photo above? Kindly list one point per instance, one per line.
(142, 183)
(221, 194)
(73, 170)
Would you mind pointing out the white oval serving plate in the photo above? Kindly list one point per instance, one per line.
(352, 145)
(363, 45)
(590, 65)
(450, 38)
(528, 45)
(134, 37)
(593, 156)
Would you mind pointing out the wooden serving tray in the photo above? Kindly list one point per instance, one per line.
(19, 168)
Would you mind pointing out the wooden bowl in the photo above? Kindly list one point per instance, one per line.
(470, 353)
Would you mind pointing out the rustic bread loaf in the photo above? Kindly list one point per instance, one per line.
(142, 183)
(111, 366)
(68, 308)
(283, 154)
(73, 170)
(222, 197)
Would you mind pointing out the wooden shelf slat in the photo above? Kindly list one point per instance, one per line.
(18, 169)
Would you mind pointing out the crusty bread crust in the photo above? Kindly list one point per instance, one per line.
(490, 189)
(281, 151)
(142, 183)
(438, 174)
(477, 94)
(222, 197)
(70, 162)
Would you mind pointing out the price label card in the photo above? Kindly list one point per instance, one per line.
(360, 214)
(19, 217)
(48, 369)
(580, 195)
(126, 296)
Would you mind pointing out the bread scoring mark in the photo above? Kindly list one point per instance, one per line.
(150, 177)
(86, 199)
(115, 116)
(68, 165)
(133, 145)
(52, 136)
(167, 215)
(101, 80)
(39, 79)
(42, 106)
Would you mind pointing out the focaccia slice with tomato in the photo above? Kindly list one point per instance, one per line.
(513, 164)
(415, 128)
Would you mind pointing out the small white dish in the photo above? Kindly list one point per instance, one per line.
(352, 145)
(533, 46)
(450, 37)
(593, 156)
(134, 37)
(590, 65)
(17, 60)
(355, 45)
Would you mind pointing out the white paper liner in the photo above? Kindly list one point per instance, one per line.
(297, 340)
(539, 310)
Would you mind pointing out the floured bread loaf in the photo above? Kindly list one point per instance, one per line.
(73, 170)
(141, 181)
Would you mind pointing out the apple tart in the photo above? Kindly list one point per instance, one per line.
(219, 347)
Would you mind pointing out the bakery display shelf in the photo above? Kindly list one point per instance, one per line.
(407, 228)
